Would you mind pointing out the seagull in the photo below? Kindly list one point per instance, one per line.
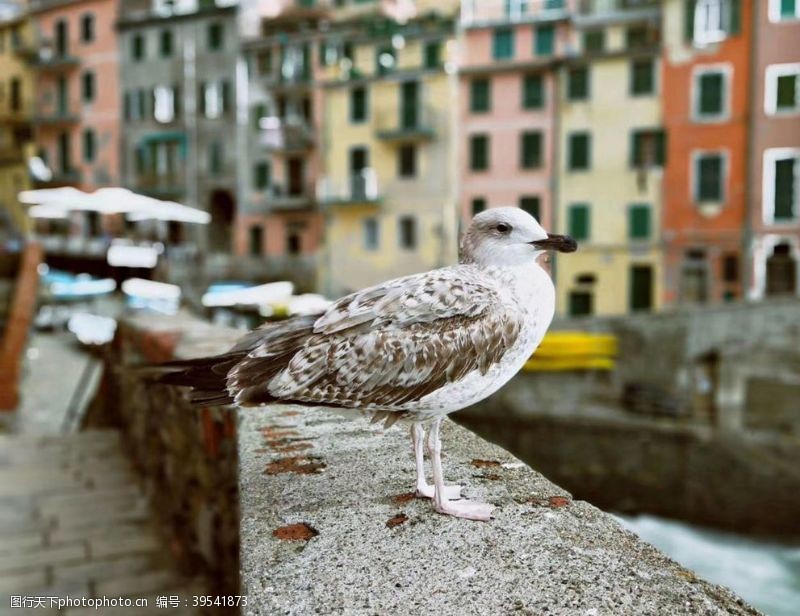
(415, 348)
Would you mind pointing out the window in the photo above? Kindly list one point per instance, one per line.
(261, 175)
(709, 180)
(163, 104)
(62, 38)
(15, 94)
(533, 92)
(407, 160)
(226, 96)
(87, 87)
(216, 37)
(87, 28)
(480, 95)
(256, 240)
(784, 10)
(479, 152)
(710, 91)
(648, 148)
(138, 51)
(594, 41)
(637, 37)
(730, 268)
(294, 240)
(712, 20)
(89, 145)
(544, 40)
(579, 151)
(433, 53)
(215, 158)
(580, 303)
(503, 44)
(781, 185)
(782, 89)
(578, 83)
(477, 205)
(578, 221)
(371, 234)
(531, 150)
(641, 288)
(408, 232)
(165, 43)
(639, 221)
(642, 77)
(264, 62)
(385, 60)
(531, 204)
(358, 104)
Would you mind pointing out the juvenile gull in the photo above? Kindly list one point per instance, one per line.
(415, 348)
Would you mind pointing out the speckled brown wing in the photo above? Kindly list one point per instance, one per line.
(387, 347)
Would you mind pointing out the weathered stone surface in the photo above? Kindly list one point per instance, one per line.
(543, 552)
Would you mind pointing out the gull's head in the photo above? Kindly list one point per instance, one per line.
(509, 236)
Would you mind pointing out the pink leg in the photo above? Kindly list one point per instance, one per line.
(423, 489)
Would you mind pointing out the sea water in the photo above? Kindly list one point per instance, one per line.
(766, 575)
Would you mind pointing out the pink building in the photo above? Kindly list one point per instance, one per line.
(509, 103)
(775, 143)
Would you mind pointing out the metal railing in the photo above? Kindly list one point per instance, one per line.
(474, 12)
(285, 134)
(403, 123)
(360, 187)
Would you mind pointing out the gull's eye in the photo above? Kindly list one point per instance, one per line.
(503, 227)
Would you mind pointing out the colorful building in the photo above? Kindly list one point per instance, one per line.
(774, 151)
(707, 83)
(389, 191)
(16, 101)
(508, 104)
(610, 159)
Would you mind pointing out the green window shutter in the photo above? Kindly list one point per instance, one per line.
(479, 152)
(580, 303)
(711, 92)
(787, 92)
(788, 8)
(594, 41)
(480, 95)
(579, 221)
(262, 173)
(639, 222)
(688, 20)
(661, 148)
(636, 37)
(88, 145)
(709, 181)
(532, 205)
(544, 40)
(433, 54)
(259, 111)
(166, 43)
(642, 77)
(533, 92)
(785, 190)
(358, 104)
(578, 83)
(531, 150)
(503, 44)
(579, 152)
(736, 16)
(478, 205)
(641, 287)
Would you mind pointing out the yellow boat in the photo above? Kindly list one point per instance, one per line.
(564, 351)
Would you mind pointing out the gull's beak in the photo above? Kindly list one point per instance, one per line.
(561, 243)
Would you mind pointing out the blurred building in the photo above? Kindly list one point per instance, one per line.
(774, 150)
(178, 107)
(707, 79)
(279, 223)
(16, 102)
(389, 101)
(610, 159)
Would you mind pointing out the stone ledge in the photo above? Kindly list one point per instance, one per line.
(327, 526)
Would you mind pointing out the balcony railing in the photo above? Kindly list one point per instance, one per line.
(47, 61)
(405, 124)
(165, 186)
(289, 135)
(478, 12)
(278, 198)
(361, 187)
(55, 118)
(600, 8)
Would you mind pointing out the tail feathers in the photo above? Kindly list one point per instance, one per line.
(207, 376)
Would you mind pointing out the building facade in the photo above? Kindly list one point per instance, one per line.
(706, 98)
(16, 101)
(610, 159)
(774, 150)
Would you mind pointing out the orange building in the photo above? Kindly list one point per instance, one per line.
(77, 105)
(706, 101)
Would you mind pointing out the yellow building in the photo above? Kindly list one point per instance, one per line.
(388, 191)
(611, 154)
(16, 102)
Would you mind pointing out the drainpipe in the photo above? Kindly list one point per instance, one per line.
(750, 123)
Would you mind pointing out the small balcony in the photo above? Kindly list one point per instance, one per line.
(411, 124)
(278, 198)
(602, 11)
(361, 188)
(161, 186)
(290, 135)
(485, 12)
(55, 118)
(46, 61)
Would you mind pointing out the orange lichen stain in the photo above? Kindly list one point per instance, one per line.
(485, 463)
(303, 465)
(295, 532)
(402, 499)
(289, 414)
(287, 445)
(554, 502)
(400, 518)
(490, 476)
(275, 432)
